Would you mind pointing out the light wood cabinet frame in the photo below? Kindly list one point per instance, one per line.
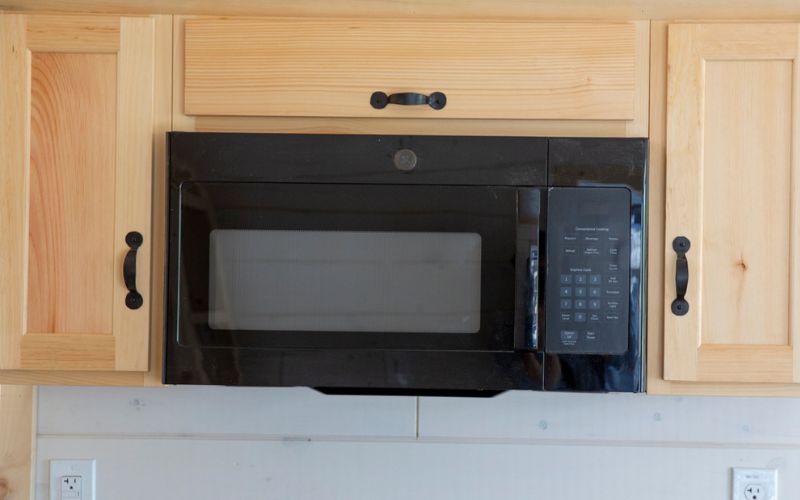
(661, 262)
(142, 47)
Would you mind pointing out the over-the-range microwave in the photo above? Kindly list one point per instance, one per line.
(406, 264)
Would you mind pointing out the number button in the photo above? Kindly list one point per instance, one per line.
(594, 279)
(580, 303)
(566, 304)
(594, 303)
(566, 279)
(580, 279)
(580, 317)
(565, 291)
(595, 292)
(580, 291)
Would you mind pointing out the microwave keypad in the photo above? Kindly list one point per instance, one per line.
(588, 270)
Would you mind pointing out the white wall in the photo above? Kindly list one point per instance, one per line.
(209, 443)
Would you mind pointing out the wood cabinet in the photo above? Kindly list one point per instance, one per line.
(733, 189)
(499, 77)
(77, 105)
(84, 102)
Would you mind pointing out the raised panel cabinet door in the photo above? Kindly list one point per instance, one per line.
(76, 111)
(733, 154)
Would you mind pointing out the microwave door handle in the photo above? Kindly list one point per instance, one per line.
(526, 314)
(528, 255)
(532, 323)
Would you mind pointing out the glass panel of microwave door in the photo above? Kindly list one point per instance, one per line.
(344, 281)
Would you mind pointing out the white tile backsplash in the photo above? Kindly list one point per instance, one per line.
(634, 418)
(197, 410)
(202, 469)
(207, 443)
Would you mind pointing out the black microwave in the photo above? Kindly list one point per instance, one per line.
(406, 264)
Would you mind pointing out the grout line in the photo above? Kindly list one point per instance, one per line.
(34, 432)
(425, 440)
(417, 422)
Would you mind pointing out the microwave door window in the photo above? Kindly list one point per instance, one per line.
(344, 281)
(367, 267)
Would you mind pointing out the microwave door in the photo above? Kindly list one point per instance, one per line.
(358, 267)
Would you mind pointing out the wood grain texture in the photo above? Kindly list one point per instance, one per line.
(794, 218)
(127, 121)
(409, 126)
(330, 67)
(683, 202)
(134, 175)
(17, 441)
(656, 383)
(60, 33)
(76, 351)
(90, 171)
(730, 169)
(746, 200)
(756, 41)
(423, 126)
(655, 210)
(71, 377)
(481, 9)
(736, 362)
(638, 127)
(14, 117)
(162, 123)
(71, 266)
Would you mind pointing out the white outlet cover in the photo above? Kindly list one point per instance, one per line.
(754, 484)
(84, 469)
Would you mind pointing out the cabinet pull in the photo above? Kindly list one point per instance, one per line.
(134, 299)
(681, 245)
(380, 100)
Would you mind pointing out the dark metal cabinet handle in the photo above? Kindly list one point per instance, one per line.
(134, 299)
(380, 100)
(681, 245)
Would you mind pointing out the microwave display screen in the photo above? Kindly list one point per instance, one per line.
(344, 281)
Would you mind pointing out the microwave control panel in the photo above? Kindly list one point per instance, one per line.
(588, 270)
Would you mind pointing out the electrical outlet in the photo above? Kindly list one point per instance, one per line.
(72, 479)
(71, 487)
(755, 484)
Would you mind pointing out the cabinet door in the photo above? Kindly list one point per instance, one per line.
(76, 106)
(324, 67)
(733, 133)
